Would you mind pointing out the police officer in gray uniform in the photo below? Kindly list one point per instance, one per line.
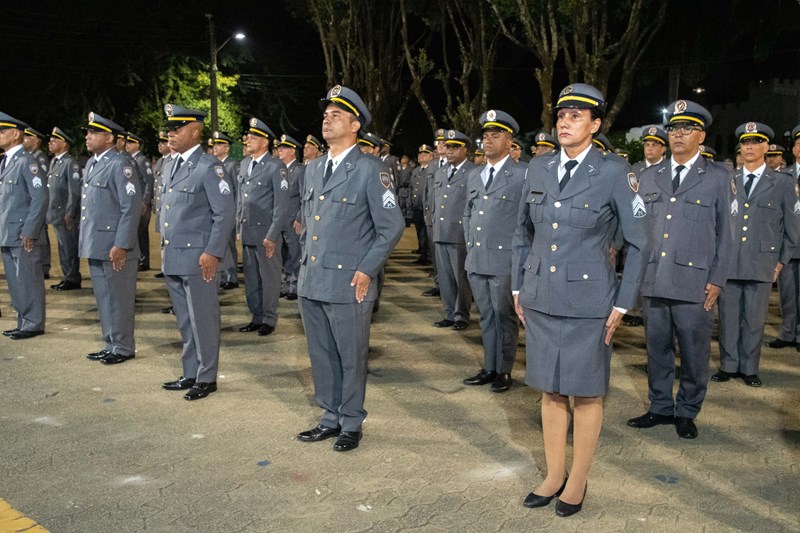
(23, 207)
(263, 212)
(545, 144)
(221, 148)
(418, 178)
(654, 141)
(63, 212)
(766, 237)
(489, 221)
(111, 205)
(158, 178)
(287, 152)
(789, 278)
(688, 203)
(196, 220)
(351, 225)
(438, 164)
(33, 141)
(450, 200)
(133, 146)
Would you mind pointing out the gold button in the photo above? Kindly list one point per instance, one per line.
(83, 218)
(188, 244)
(746, 217)
(746, 204)
(585, 206)
(666, 235)
(672, 199)
(552, 268)
(245, 195)
(442, 207)
(744, 228)
(480, 212)
(339, 267)
(316, 217)
(167, 207)
(314, 238)
(771, 247)
(166, 242)
(586, 276)
(321, 196)
(499, 247)
(555, 225)
(697, 201)
(448, 186)
(85, 185)
(553, 247)
(669, 217)
(504, 197)
(691, 264)
(477, 244)
(663, 254)
(441, 218)
(478, 228)
(170, 189)
(345, 199)
(485, 197)
(744, 239)
(313, 257)
(557, 205)
(108, 227)
(83, 207)
(445, 196)
(84, 196)
(166, 224)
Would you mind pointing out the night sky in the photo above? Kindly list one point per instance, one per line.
(62, 58)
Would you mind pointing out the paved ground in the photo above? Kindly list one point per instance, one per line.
(87, 448)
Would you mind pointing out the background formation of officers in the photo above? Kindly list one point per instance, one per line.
(715, 232)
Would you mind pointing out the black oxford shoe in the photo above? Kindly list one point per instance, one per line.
(431, 292)
(533, 500)
(229, 285)
(252, 326)
(265, 330)
(181, 383)
(168, 310)
(318, 433)
(723, 376)
(67, 286)
(96, 356)
(57, 285)
(649, 420)
(460, 325)
(115, 358)
(10, 332)
(501, 383)
(348, 440)
(291, 296)
(20, 334)
(752, 381)
(200, 391)
(780, 343)
(444, 323)
(160, 275)
(685, 427)
(481, 378)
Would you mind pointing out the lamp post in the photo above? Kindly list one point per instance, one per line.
(214, 51)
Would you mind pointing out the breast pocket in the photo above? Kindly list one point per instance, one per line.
(587, 283)
(306, 201)
(584, 213)
(697, 207)
(536, 205)
(343, 206)
(530, 276)
(652, 204)
(506, 203)
(185, 194)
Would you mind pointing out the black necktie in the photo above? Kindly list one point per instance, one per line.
(328, 172)
(252, 166)
(91, 167)
(3, 164)
(749, 184)
(569, 165)
(442, 163)
(178, 163)
(489, 181)
(676, 181)
(452, 173)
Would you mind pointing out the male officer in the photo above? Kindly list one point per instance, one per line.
(545, 144)
(654, 141)
(287, 152)
(158, 177)
(133, 146)
(479, 157)
(33, 141)
(688, 204)
(63, 212)
(789, 278)
(312, 149)
(438, 165)
(196, 221)
(450, 200)
(708, 152)
(351, 225)
(517, 147)
(775, 159)
(765, 240)
(418, 177)
(602, 143)
(489, 222)
(23, 207)
(264, 211)
(221, 149)
(111, 205)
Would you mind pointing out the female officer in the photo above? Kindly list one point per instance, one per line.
(566, 292)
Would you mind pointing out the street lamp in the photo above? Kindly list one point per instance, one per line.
(214, 51)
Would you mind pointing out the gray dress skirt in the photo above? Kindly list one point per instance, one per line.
(566, 355)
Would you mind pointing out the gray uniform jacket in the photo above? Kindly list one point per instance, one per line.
(691, 231)
(564, 269)
(767, 228)
(490, 219)
(792, 171)
(296, 175)
(42, 159)
(418, 176)
(158, 184)
(111, 206)
(64, 188)
(351, 224)
(427, 193)
(264, 207)
(232, 173)
(449, 203)
(146, 179)
(197, 215)
(23, 200)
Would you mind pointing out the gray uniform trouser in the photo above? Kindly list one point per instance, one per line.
(432, 254)
(453, 284)
(115, 293)
(231, 275)
(68, 252)
(25, 285)
(499, 322)
(667, 319)
(789, 288)
(46, 258)
(338, 341)
(262, 283)
(291, 261)
(742, 316)
(196, 307)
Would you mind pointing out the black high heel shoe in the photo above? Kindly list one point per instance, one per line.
(568, 509)
(533, 500)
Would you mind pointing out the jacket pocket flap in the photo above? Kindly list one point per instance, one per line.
(536, 197)
(698, 200)
(342, 199)
(340, 261)
(532, 264)
(770, 246)
(691, 259)
(586, 271)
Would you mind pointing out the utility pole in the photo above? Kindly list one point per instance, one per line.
(213, 43)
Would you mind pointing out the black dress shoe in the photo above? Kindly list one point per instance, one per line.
(20, 334)
(67, 286)
(229, 285)
(115, 358)
(318, 433)
(200, 391)
(723, 376)
(181, 383)
(569, 509)
(460, 325)
(168, 310)
(752, 381)
(481, 378)
(143, 268)
(252, 326)
(649, 420)
(533, 500)
(685, 427)
(265, 330)
(780, 343)
(10, 332)
(445, 323)
(632, 321)
(348, 440)
(431, 292)
(160, 275)
(501, 383)
(57, 285)
(96, 356)
(291, 296)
